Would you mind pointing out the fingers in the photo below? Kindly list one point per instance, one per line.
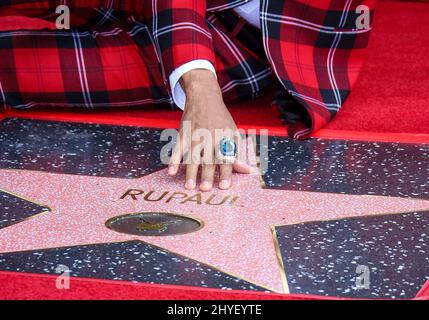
(176, 156)
(192, 164)
(175, 160)
(225, 162)
(243, 168)
(207, 177)
(195, 152)
(225, 180)
(191, 176)
(239, 165)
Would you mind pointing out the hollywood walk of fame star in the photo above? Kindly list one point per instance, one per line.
(236, 238)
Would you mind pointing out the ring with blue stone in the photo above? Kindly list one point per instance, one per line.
(228, 149)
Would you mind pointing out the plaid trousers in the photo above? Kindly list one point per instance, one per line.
(120, 53)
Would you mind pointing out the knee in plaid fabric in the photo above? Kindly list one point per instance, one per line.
(83, 12)
(242, 68)
(114, 66)
(122, 63)
(106, 59)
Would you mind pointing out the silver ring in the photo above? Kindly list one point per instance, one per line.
(228, 150)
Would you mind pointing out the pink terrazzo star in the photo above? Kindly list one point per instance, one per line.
(237, 238)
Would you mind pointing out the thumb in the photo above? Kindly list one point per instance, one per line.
(244, 168)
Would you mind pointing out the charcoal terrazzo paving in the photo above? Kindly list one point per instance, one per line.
(130, 261)
(348, 167)
(14, 209)
(323, 257)
(81, 149)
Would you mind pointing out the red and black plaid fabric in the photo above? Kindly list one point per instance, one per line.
(120, 53)
(316, 52)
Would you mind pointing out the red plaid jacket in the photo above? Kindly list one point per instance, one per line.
(120, 53)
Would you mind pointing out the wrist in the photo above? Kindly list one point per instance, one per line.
(202, 91)
(199, 81)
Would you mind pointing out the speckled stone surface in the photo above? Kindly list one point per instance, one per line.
(350, 167)
(86, 192)
(82, 149)
(322, 257)
(14, 209)
(131, 261)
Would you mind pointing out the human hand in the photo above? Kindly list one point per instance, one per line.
(205, 121)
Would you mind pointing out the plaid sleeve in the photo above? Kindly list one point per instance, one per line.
(180, 32)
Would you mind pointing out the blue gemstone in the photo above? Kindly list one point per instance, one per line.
(228, 147)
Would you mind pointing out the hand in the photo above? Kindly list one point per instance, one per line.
(205, 114)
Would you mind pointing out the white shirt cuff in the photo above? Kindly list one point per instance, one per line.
(179, 96)
(250, 12)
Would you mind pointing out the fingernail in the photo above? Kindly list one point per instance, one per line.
(225, 184)
(206, 186)
(190, 184)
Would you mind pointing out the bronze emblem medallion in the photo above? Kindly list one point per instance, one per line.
(154, 224)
